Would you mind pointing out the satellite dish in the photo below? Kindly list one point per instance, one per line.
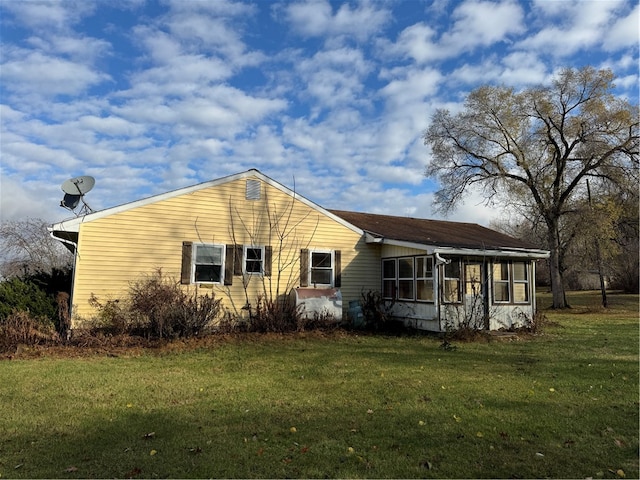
(78, 185)
(74, 190)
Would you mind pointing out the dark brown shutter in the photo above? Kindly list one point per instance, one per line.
(228, 264)
(268, 254)
(337, 281)
(185, 273)
(304, 267)
(237, 259)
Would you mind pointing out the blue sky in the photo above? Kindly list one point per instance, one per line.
(329, 97)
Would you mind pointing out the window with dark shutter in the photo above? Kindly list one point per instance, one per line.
(320, 268)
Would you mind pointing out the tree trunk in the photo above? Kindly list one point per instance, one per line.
(555, 272)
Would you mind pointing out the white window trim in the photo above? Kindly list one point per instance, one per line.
(333, 268)
(195, 255)
(245, 258)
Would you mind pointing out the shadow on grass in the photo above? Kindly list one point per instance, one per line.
(444, 436)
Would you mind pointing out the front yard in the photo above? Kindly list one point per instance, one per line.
(563, 404)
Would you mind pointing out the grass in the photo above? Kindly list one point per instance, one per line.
(563, 404)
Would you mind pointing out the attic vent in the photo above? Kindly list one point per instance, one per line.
(253, 190)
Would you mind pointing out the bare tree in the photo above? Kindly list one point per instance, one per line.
(27, 249)
(284, 234)
(536, 148)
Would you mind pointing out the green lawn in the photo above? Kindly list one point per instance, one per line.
(563, 404)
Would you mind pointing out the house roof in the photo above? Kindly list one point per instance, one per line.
(418, 231)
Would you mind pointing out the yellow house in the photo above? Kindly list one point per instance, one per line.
(245, 235)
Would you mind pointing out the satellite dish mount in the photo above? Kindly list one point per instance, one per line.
(74, 190)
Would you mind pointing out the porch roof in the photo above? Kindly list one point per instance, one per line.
(435, 233)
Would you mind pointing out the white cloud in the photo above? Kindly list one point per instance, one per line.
(335, 77)
(34, 72)
(624, 32)
(112, 126)
(21, 155)
(483, 23)
(20, 199)
(476, 24)
(575, 26)
(49, 15)
(416, 42)
(316, 18)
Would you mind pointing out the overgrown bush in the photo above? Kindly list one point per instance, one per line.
(157, 307)
(376, 311)
(114, 317)
(20, 328)
(273, 315)
(324, 320)
(534, 324)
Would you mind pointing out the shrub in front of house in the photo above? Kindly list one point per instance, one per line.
(157, 307)
(19, 328)
(376, 311)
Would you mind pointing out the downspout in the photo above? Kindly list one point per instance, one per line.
(73, 276)
(532, 287)
(440, 261)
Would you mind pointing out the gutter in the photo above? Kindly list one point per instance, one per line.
(68, 242)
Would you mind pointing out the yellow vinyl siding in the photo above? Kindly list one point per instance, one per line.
(119, 248)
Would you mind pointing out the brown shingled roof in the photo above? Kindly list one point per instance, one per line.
(432, 232)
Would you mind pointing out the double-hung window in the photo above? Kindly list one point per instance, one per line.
(452, 282)
(405, 278)
(253, 260)
(520, 282)
(321, 271)
(208, 263)
(424, 279)
(501, 282)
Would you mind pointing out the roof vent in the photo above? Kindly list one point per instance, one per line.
(253, 190)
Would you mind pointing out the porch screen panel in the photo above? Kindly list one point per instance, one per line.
(452, 282)
(388, 278)
(424, 279)
(473, 279)
(405, 278)
(501, 282)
